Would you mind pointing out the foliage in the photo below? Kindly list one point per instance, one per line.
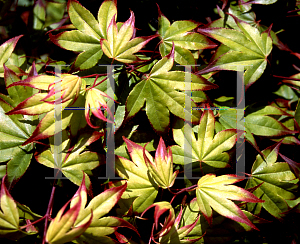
(145, 120)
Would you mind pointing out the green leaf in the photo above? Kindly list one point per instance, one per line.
(120, 44)
(141, 188)
(72, 165)
(277, 182)
(6, 50)
(14, 131)
(216, 192)
(107, 11)
(76, 41)
(39, 15)
(208, 148)
(86, 39)
(159, 91)
(100, 205)
(9, 215)
(162, 168)
(248, 47)
(83, 20)
(262, 125)
(178, 33)
(26, 213)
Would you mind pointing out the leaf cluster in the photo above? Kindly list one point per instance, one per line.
(183, 131)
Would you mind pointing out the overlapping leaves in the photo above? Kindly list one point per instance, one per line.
(248, 49)
(275, 180)
(72, 161)
(141, 188)
(180, 33)
(86, 39)
(216, 192)
(159, 91)
(120, 44)
(87, 222)
(208, 148)
(68, 87)
(15, 129)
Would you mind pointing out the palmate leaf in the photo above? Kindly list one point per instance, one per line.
(208, 148)
(87, 222)
(15, 129)
(159, 91)
(120, 44)
(277, 183)
(215, 192)
(99, 206)
(248, 48)
(141, 188)
(9, 215)
(86, 39)
(184, 40)
(75, 163)
(222, 230)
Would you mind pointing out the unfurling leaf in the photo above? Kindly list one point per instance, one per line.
(94, 102)
(160, 209)
(216, 192)
(178, 235)
(162, 168)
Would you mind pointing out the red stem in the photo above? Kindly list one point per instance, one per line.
(33, 223)
(48, 213)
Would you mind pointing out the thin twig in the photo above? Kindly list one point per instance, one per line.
(48, 213)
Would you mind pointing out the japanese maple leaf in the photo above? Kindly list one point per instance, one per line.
(207, 148)
(248, 48)
(216, 192)
(180, 33)
(120, 44)
(159, 90)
